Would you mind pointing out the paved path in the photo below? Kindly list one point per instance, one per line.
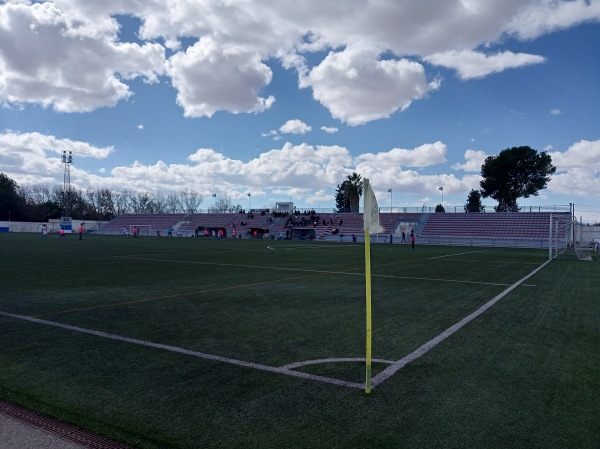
(23, 429)
(15, 434)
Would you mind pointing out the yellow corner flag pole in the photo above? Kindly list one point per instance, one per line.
(371, 226)
(368, 289)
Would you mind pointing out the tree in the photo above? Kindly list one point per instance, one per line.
(10, 202)
(347, 197)
(440, 208)
(106, 206)
(190, 200)
(342, 203)
(514, 173)
(122, 201)
(173, 204)
(223, 204)
(474, 202)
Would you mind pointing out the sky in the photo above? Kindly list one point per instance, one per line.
(284, 99)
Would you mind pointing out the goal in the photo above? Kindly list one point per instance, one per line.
(568, 239)
(142, 229)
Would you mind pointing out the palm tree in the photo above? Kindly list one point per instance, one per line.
(353, 188)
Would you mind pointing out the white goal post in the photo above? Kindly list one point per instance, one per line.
(568, 239)
(142, 229)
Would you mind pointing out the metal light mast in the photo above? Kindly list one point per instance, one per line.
(67, 159)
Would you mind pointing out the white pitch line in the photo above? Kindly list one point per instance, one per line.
(459, 254)
(201, 355)
(234, 265)
(438, 280)
(303, 270)
(503, 262)
(288, 369)
(390, 370)
(294, 248)
(334, 360)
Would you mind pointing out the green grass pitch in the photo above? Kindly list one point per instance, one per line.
(194, 343)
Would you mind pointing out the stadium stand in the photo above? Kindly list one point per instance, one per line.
(500, 229)
(156, 222)
(506, 229)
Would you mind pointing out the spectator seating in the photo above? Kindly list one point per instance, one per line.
(521, 228)
(510, 229)
(158, 222)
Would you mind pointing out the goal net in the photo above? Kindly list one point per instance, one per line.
(141, 229)
(568, 239)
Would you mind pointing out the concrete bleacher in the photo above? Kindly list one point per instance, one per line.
(230, 220)
(503, 229)
(325, 224)
(352, 223)
(188, 223)
(157, 222)
(512, 229)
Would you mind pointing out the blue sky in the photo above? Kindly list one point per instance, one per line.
(284, 99)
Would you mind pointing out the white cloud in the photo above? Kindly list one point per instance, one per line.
(583, 154)
(34, 158)
(225, 70)
(295, 127)
(577, 170)
(140, 126)
(474, 161)
(576, 182)
(555, 111)
(210, 77)
(41, 144)
(542, 17)
(473, 64)
(423, 156)
(48, 57)
(357, 87)
(329, 129)
(271, 133)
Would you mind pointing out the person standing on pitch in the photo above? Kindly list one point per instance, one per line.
(412, 238)
(81, 231)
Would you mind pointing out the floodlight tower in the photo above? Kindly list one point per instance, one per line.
(67, 159)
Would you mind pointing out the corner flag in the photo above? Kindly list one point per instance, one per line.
(371, 213)
(370, 225)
